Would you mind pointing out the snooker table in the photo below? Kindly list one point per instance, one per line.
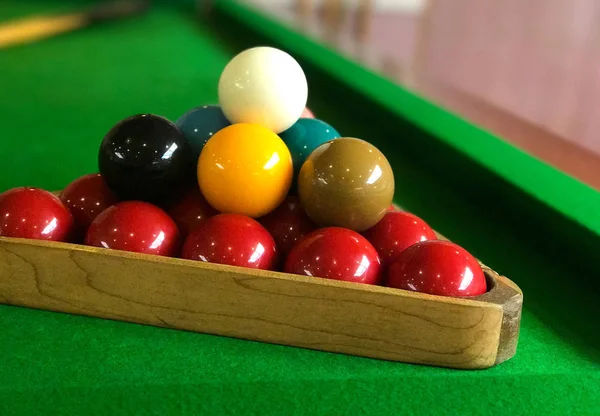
(60, 96)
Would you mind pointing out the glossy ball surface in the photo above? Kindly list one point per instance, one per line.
(145, 157)
(288, 223)
(245, 169)
(86, 197)
(397, 231)
(304, 137)
(232, 239)
(135, 226)
(265, 86)
(346, 183)
(200, 124)
(190, 211)
(34, 213)
(335, 253)
(438, 268)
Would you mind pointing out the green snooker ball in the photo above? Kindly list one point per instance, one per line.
(199, 124)
(305, 136)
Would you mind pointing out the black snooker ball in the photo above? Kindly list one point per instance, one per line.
(145, 157)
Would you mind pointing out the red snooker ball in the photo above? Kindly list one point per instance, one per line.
(135, 226)
(86, 197)
(335, 253)
(232, 239)
(438, 268)
(395, 232)
(288, 223)
(189, 212)
(34, 213)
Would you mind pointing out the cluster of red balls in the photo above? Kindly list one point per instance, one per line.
(400, 251)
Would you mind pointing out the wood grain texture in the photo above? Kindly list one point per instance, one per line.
(510, 298)
(264, 306)
(508, 295)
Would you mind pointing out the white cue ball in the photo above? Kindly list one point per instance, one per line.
(263, 86)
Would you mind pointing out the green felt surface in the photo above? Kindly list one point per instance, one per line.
(57, 100)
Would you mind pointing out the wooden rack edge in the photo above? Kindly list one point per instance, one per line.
(301, 311)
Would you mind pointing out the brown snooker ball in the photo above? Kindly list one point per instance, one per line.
(346, 182)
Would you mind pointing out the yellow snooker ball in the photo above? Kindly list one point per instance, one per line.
(245, 169)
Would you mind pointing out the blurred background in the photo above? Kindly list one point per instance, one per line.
(528, 71)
